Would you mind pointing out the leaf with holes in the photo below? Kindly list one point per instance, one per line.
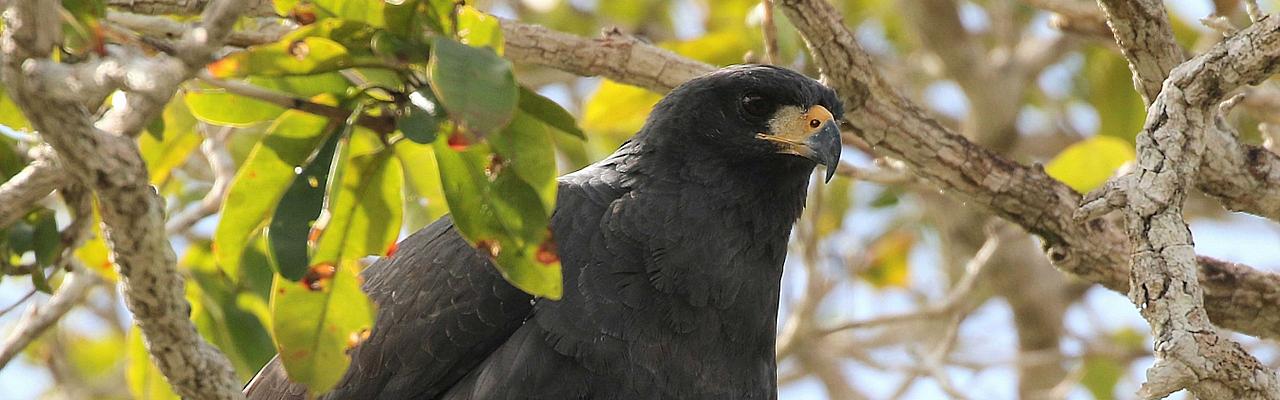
(291, 225)
(318, 322)
(500, 214)
(263, 179)
(364, 204)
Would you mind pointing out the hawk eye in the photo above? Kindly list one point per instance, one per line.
(757, 106)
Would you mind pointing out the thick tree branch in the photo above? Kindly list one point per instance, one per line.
(895, 126)
(1183, 114)
(1242, 177)
(105, 158)
(617, 56)
(1236, 296)
(1146, 39)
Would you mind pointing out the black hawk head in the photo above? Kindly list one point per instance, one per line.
(754, 118)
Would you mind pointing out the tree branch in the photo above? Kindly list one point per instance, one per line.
(1183, 114)
(39, 178)
(616, 56)
(1236, 296)
(104, 157)
(74, 288)
(895, 126)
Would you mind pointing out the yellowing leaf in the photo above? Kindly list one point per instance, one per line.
(719, 48)
(144, 379)
(263, 180)
(615, 112)
(1101, 374)
(422, 176)
(1110, 91)
(94, 253)
(888, 266)
(178, 141)
(318, 321)
(477, 29)
(1088, 164)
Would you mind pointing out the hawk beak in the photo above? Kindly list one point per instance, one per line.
(812, 134)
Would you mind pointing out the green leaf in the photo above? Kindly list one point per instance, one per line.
(318, 321)
(527, 148)
(216, 106)
(305, 56)
(291, 225)
(423, 181)
(364, 208)
(11, 162)
(477, 29)
(144, 379)
(475, 85)
(369, 12)
(1087, 164)
(420, 119)
(614, 112)
(170, 149)
(263, 179)
(1101, 374)
(219, 316)
(1110, 91)
(503, 216)
(549, 112)
(10, 115)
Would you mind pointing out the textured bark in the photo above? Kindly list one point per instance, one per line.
(614, 55)
(106, 159)
(1190, 354)
(1095, 250)
(1145, 37)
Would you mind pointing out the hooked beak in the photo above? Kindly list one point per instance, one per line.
(812, 134)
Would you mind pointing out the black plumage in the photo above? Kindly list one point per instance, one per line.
(672, 251)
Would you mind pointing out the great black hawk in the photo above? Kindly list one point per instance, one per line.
(672, 251)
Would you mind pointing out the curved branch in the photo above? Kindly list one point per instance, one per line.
(104, 157)
(74, 289)
(897, 127)
(39, 178)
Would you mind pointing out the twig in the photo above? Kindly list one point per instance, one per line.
(103, 156)
(954, 300)
(170, 29)
(382, 124)
(74, 289)
(897, 127)
(214, 149)
(19, 302)
(770, 33)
